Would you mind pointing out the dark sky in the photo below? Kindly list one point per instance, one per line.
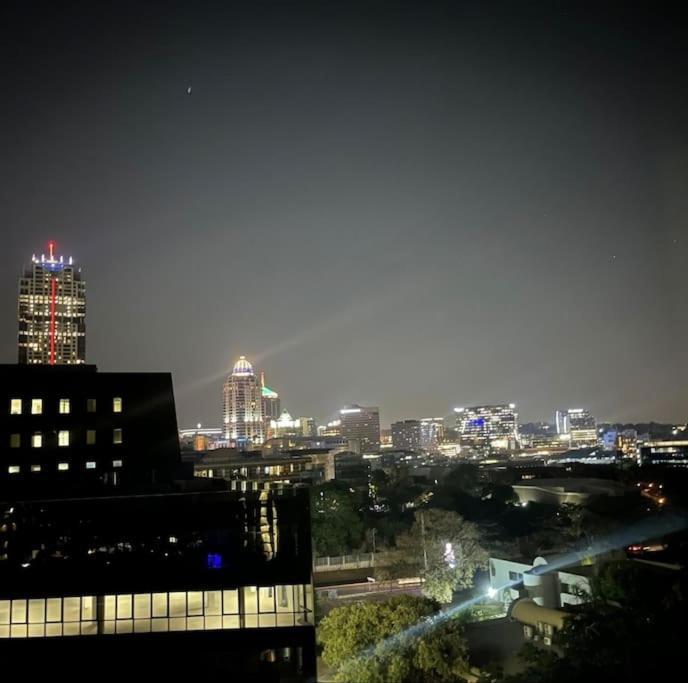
(415, 205)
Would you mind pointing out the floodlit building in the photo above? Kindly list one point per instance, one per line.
(362, 424)
(518, 578)
(486, 428)
(52, 312)
(270, 402)
(431, 433)
(579, 425)
(200, 438)
(286, 425)
(255, 472)
(243, 406)
(628, 443)
(332, 428)
(406, 435)
(572, 491)
(113, 554)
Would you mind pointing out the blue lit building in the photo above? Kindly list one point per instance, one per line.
(488, 428)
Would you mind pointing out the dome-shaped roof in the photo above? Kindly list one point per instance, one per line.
(242, 367)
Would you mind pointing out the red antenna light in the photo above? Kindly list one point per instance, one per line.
(51, 250)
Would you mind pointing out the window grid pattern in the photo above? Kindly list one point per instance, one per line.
(244, 607)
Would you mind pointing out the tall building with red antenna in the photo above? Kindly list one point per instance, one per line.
(52, 312)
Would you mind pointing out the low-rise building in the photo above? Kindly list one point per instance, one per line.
(515, 578)
(573, 491)
(245, 472)
(668, 453)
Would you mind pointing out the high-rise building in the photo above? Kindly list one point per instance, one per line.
(406, 435)
(270, 404)
(270, 400)
(308, 426)
(431, 432)
(52, 311)
(582, 427)
(485, 428)
(363, 425)
(243, 406)
(561, 419)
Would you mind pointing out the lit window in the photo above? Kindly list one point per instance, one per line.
(90, 465)
(36, 406)
(14, 469)
(117, 405)
(36, 440)
(63, 466)
(35, 468)
(63, 438)
(91, 405)
(116, 436)
(117, 463)
(64, 406)
(15, 406)
(90, 437)
(15, 440)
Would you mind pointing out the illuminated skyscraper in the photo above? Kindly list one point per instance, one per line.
(488, 427)
(51, 312)
(363, 425)
(242, 406)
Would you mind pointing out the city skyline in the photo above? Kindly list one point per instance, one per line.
(38, 261)
(437, 211)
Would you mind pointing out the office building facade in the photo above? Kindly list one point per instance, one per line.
(361, 424)
(669, 453)
(488, 428)
(52, 312)
(74, 428)
(582, 427)
(431, 433)
(406, 435)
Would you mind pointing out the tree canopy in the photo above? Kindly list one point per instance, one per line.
(442, 548)
(393, 642)
(336, 523)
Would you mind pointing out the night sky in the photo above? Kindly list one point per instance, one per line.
(414, 205)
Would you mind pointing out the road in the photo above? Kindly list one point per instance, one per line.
(364, 590)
